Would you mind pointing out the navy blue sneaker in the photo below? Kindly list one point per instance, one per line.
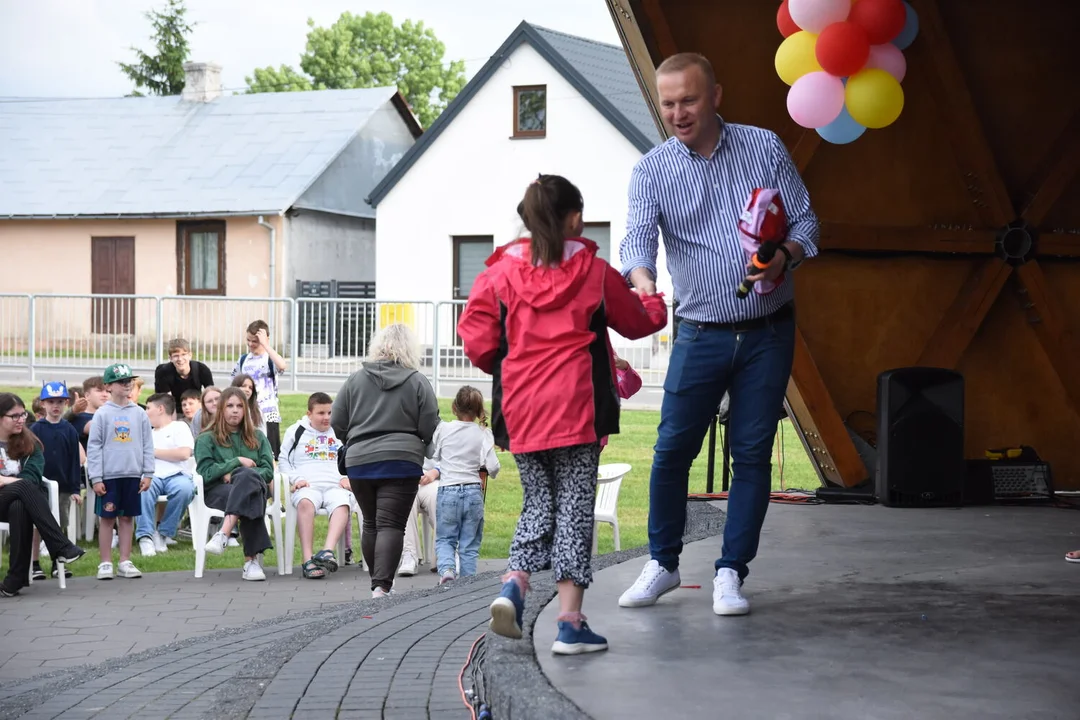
(572, 641)
(506, 611)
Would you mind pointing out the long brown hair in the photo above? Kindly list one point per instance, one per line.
(548, 201)
(19, 445)
(220, 429)
(470, 402)
(252, 402)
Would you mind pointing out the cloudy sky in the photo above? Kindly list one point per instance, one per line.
(69, 48)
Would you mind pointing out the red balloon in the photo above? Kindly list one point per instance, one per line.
(881, 19)
(784, 22)
(842, 48)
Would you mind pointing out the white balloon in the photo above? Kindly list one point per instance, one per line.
(814, 16)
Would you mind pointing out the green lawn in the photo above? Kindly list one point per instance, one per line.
(634, 445)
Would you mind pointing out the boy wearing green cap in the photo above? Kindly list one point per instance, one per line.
(120, 465)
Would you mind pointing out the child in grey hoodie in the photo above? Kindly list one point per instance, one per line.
(120, 465)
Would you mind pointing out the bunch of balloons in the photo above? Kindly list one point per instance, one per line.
(844, 62)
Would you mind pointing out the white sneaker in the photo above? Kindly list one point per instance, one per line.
(233, 542)
(115, 540)
(127, 569)
(170, 541)
(253, 569)
(727, 596)
(447, 577)
(159, 543)
(146, 547)
(216, 544)
(653, 582)
(105, 571)
(380, 593)
(407, 567)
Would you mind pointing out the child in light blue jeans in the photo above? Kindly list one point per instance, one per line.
(462, 450)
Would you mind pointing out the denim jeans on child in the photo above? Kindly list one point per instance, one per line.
(459, 525)
(753, 367)
(180, 490)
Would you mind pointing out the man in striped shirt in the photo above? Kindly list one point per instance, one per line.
(693, 188)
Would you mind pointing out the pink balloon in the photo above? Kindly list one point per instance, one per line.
(889, 58)
(816, 99)
(813, 16)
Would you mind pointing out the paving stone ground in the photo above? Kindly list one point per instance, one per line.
(170, 646)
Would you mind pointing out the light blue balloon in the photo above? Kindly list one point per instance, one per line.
(842, 130)
(911, 29)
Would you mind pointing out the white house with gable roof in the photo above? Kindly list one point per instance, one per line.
(546, 102)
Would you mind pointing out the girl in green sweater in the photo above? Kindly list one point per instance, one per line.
(237, 468)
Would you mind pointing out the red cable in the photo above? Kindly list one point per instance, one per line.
(461, 676)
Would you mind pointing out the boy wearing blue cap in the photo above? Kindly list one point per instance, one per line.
(63, 452)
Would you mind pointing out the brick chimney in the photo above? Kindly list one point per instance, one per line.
(202, 82)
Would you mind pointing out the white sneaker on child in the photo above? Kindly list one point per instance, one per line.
(105, 571)
(146, 546)
(253, 569)
(216, 544)
(127, 569)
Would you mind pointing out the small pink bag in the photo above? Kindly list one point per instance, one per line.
(763, 219)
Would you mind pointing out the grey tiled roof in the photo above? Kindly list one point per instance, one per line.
(160, 155)
(607, 69)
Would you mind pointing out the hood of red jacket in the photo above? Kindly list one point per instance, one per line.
(546, 288)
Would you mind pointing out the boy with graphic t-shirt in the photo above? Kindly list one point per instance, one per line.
(263, 364)
(310, 463)
(120, 463)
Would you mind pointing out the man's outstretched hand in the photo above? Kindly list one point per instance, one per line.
(643, 281)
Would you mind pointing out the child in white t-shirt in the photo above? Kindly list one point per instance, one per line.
(463, 448)
(174, 466)
(264, 364)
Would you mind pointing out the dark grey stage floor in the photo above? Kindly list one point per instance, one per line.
(868, 613)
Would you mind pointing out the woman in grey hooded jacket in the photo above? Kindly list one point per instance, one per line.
(387, 414)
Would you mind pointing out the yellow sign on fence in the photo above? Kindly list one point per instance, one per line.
(403, 313)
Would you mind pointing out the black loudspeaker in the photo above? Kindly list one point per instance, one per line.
(920, 438)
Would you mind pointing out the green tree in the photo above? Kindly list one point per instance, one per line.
(370, 51)
(162, 73)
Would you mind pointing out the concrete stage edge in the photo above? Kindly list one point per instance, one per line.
(861, 612)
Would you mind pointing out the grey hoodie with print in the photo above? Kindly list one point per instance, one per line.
(121, 443)
(385, 411)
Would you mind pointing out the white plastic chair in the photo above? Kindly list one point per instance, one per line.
(54, 506)
(200, 516)
(608, 481)
(290, 526)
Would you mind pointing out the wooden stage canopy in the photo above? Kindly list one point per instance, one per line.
(949, 238)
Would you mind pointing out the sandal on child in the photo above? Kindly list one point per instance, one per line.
(312, 570)
(1073, 556)
(326, 560)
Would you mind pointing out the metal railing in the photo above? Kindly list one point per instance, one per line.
(318, 337)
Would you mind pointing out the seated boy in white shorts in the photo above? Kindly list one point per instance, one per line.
(309, 460)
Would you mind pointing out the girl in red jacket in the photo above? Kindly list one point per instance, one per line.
(537, 321)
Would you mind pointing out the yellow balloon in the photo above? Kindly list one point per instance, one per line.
(795, 57)
(874, 98)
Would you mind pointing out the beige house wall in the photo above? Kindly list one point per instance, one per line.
(53, 257)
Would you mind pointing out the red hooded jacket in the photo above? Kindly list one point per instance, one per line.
(542, 334)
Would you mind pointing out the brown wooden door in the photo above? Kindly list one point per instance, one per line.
(112, 263)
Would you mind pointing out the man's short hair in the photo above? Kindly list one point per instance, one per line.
(318, 398)
(179, 344)
(682, 61)
(256, 326)
(165, 400)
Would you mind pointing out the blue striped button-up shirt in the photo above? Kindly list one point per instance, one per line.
(696, 203)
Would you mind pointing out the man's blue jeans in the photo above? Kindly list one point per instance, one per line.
(459, 525)
(753, 367)
(180, 490)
